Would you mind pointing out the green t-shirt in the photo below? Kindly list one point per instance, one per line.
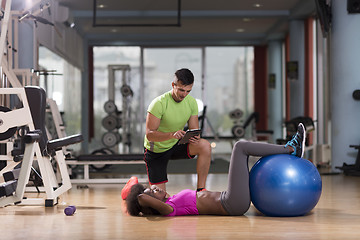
(173, 117)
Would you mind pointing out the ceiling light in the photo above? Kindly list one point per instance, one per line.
(240, 30)
(114, 30)
(247, 19)
(257, 5)
(101, 6)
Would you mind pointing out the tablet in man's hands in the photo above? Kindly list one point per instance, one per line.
(189, 134)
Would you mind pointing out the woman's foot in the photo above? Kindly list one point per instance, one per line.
(298, 141)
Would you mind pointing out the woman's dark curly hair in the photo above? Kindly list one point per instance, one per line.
(133, 205)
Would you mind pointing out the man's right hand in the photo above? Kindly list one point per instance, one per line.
(179, 134)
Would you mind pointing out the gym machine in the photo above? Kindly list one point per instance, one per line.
(116, 120)
(22, 127)
(99, 159)
(28, 115)
(353, 169)
(118, 126)
(239, 128)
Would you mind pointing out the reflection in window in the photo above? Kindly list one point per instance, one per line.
(62, 83)
(119, 56)
(161, 65)
(229, 85)
(226, 84)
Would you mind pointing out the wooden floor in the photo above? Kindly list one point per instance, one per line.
(100, 215)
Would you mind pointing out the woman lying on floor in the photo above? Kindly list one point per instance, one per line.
(234, 201)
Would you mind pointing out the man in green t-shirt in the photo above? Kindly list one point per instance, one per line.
(166, 118)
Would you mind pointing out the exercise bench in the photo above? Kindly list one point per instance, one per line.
(87, 160)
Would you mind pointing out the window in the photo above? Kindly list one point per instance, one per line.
(226, 84)
(117, 56)
(62, 83)
(229, 85)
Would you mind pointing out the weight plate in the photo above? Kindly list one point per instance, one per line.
(238, 131)
(110, 106)
(126, 90)
(110, 122)
(109, 139)
(236, 114)
(102, 151)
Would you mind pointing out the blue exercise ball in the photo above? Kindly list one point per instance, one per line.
(283, 185)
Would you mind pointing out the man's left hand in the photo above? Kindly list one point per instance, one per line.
(194, 140)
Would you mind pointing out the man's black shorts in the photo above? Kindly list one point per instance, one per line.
(156, 163)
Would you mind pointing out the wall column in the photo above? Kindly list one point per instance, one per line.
(344, 72)
(297, 54)
(275, 88)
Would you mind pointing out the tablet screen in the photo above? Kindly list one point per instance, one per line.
(189, 134)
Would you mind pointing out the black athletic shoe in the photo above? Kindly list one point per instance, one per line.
(298, 141)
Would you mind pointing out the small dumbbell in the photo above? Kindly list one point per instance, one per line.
(70, 210)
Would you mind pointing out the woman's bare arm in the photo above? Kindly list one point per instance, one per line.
(148, 201)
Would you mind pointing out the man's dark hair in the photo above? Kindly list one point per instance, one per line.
(133, 205)
(185, 76)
